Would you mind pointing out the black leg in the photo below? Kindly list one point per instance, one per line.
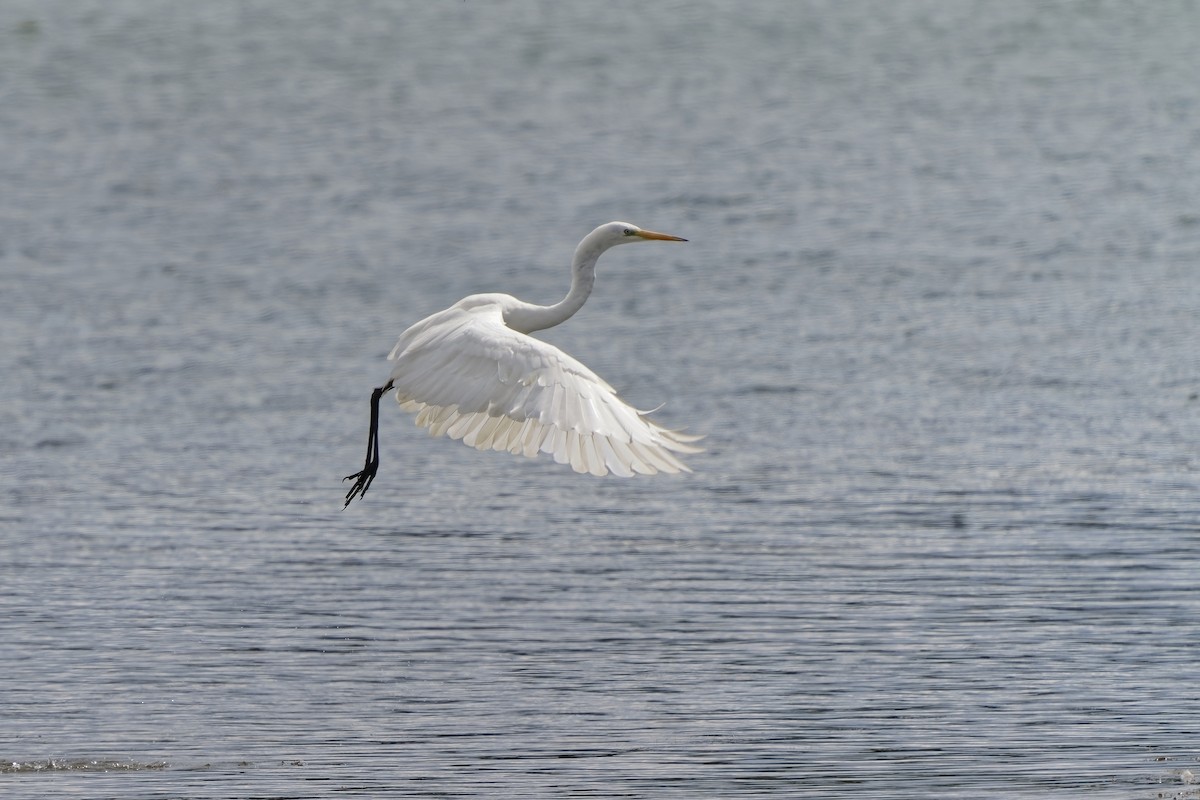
(362, 480)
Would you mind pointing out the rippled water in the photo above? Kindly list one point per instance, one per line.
(937, 316)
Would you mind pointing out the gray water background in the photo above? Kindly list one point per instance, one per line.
(937, 316)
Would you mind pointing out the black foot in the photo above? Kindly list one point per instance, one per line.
(362, 482)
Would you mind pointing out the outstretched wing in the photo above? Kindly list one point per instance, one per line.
(467, 375)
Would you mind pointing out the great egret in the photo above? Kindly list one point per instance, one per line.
(474, 373)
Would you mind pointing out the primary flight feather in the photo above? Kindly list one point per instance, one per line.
(473, 373)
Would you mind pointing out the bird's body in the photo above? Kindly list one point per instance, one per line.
(474, 373)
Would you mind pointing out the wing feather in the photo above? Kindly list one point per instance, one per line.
(466, 375)
(612, 459)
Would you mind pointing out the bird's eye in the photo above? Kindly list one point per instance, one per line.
(628, 231)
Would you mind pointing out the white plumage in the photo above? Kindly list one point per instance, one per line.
(473, 373)
(467, 375)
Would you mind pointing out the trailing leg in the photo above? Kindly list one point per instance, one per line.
(363, 478)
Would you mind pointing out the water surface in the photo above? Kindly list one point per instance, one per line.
(936, 315)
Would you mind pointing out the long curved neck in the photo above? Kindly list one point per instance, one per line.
(529, 317)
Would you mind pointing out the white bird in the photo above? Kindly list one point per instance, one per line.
(473, 372)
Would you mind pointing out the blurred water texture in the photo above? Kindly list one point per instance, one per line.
(937, 316)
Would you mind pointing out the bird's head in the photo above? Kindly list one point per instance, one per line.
(610, 235)
(624, 232)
